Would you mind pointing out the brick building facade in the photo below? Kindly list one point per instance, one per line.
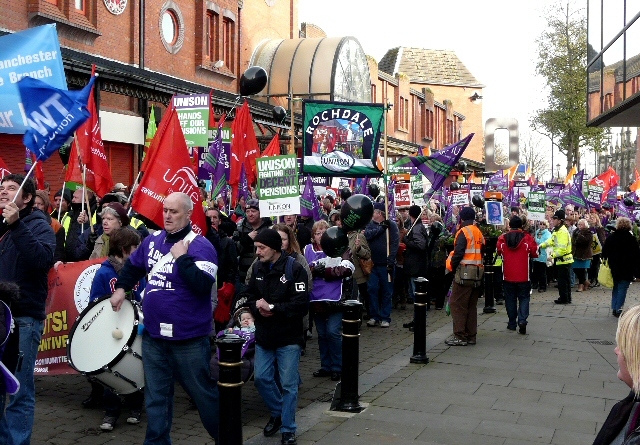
(207, 45)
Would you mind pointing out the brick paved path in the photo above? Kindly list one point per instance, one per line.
(554, 385)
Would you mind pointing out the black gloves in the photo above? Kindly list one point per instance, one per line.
(385, 223)
(92, 238)
(318, 270)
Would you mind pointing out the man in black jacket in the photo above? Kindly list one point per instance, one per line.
(244, 236)
(27, 245)
(278, 299)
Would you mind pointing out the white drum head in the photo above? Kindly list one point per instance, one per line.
(92, 343)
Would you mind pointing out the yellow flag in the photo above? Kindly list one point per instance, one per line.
(569, 177)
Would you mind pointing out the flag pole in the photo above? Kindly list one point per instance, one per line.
(61, 199)
(386, 183)
(133, 187)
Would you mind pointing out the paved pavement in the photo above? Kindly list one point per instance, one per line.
(554, 385)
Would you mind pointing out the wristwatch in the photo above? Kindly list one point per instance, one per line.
(271, 307)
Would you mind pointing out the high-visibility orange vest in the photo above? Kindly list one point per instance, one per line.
(473, 251)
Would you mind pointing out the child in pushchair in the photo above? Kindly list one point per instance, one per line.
(242, 325)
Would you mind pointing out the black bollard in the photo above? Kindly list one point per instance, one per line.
(230, 389)
(420, 322)
(347, 390)
(489, 307)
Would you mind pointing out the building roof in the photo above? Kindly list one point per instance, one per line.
(429, 66)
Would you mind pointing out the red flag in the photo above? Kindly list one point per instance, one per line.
(4, 170)
(74, 166)
(154, 142)
(609, 178)
(273, 149)
(92, 154)
(38, 173)
(244, 146)
(169, 170)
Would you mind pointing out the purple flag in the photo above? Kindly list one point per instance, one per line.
(572, 195)
(578, 178)
(309, 206)
(213, 165)
(437, 166)
(449, 222)
(623, 210)
(243, 186)
(612, 196)
(498, 182)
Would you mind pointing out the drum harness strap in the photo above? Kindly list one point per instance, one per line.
(165, 259)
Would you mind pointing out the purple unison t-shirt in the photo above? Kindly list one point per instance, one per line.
(171, 311)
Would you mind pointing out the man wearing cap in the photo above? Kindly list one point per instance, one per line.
(246, 231)
(27, 243)
(181, 268)
(383, 253)
(560, 241)
(119, 187)
(468, 246)
(516, 248)
(278, 303)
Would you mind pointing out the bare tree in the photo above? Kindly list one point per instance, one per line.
(533, 155)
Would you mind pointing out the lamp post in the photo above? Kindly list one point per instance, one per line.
(558, 171)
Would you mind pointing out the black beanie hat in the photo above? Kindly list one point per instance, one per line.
(515, 222)
(559, 214)
(270, 238)
(415, 211)
(66, 195)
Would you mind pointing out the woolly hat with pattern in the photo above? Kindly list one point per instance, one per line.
(270, 238)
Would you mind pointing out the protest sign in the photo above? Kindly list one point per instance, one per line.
(69, 287)
(536, 206)
(459, 197)
(224, 157)
(402, 194)
(417, 190)
(193, 113)
(278, 187)
(34, 52)
(594, 195)
(341, 138)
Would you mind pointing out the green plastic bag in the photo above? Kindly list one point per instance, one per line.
(604, 275)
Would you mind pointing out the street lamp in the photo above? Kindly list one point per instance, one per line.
(557, 170)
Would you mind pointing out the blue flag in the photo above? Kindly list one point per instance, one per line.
(53, 115)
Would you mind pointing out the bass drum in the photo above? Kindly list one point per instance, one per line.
(105, 345)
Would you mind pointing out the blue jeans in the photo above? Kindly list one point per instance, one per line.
(281, 402)
(619, 294)
(17, 423)
(188, 362)
(329, 329)
(412, 288)
(380, 293)
(516, 301)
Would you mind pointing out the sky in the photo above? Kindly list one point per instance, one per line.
(494, 39)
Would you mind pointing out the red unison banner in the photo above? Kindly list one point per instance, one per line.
(69, 288)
